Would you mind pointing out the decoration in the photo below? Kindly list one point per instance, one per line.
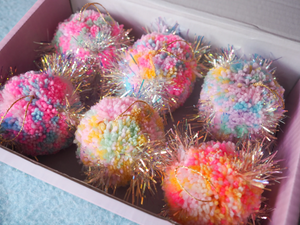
(120, 142)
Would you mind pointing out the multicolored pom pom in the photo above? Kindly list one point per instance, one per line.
(160, 69)
(212, 183)
(91, 36)
(118, 139)
(30, 112)
(240, 100)
(207, 189)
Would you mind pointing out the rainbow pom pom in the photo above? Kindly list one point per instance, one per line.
(209, 185)
(112, 137)
(161, 69)
(92, 37)
(34, 121)
(241, 100)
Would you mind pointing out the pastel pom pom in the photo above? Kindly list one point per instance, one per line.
(92, 37)
(208, 187)
(161, 69)
(37, 97)
(241, 100)
(112, 135)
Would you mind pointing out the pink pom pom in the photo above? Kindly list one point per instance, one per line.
(208, 187)
(160, 69)
(92, 37)
(37, 97)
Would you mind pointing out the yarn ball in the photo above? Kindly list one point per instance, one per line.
(162, 69)
(206, 188)
(243, 99)
(37, 97)
(89, 35)
(111, 134)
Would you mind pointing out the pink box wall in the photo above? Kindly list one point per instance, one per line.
(17, 49)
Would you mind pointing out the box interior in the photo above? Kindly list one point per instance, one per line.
(271, 16)
(42, 20)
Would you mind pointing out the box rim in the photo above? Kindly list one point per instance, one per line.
(25, 163)
(41, 1)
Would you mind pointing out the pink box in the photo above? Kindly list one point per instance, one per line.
(265, 34)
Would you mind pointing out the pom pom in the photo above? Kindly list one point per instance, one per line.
(164, 62)
(211, 183)
(30, 114)
(241, 99)
(91, 36)
(208, 189)
(118, 140)
(160, 69)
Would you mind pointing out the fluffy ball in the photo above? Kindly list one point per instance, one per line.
(244, 101)
(90, 35)
(112, 133)
(206, 187)
(162, 69)
(39, 96)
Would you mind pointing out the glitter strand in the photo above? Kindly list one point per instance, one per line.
(5, 76)
(74, 71)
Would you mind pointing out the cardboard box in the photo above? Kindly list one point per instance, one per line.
(268, 28)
